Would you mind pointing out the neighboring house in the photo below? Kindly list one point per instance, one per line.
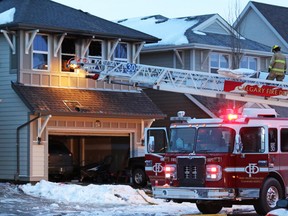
(42, 98)
(199, 43)
(264, 23)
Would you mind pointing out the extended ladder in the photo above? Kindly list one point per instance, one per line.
(190, 82)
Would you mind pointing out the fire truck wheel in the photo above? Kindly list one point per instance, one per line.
(208, 207)
(270, 193)
(139, 178)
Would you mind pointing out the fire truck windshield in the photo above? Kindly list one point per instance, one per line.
(182, 139)
(215, 139)
(202, 140)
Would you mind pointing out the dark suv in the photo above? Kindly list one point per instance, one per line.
(60, 161)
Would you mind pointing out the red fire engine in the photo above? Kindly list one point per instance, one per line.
(213, 162)
(220, 162)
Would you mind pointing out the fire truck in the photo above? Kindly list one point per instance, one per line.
(240, 158)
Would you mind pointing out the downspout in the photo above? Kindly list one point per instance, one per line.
(16, 177)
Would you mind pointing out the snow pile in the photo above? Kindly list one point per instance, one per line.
(236, 73)
(101, 194)
(162, 30)
(7, 16)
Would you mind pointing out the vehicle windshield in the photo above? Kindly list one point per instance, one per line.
(215, 139)
(182, 139)
(201, 140)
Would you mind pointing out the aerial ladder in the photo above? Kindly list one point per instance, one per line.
(239, 88)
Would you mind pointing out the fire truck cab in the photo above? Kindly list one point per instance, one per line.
(215, 163)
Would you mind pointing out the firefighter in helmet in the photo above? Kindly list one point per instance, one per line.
(277, 66)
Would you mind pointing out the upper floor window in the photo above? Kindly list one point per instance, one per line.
(40, 52)
(121, 52)
(218, 60)
(67, 52)
(95, 49)
(249, 62)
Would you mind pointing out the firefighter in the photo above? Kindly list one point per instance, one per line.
(277, 66)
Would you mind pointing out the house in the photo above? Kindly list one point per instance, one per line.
(43, 98)
(202, 43)
(265, 23)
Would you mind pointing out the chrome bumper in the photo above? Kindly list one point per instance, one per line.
(193, 193)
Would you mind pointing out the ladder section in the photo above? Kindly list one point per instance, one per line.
(190, 82)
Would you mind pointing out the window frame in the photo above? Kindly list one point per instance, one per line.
(213, 69)
(118, 58)
(74, 55)
(93, 56)
(43, 52)
(249, 62)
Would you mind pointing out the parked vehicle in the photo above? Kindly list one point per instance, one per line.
(60, 161)
(281, 208)
(98, 172)
(136, 167)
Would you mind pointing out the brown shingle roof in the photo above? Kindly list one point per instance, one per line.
(63, 101)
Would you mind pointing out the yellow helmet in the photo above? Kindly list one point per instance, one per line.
(276, 48)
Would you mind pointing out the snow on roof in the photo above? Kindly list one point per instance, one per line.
(171, 31)
(7, 16)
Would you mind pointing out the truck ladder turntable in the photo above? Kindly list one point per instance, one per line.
(185, 81)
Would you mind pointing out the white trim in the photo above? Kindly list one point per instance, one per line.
(29, 41)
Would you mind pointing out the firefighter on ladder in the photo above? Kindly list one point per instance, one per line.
(277, 66)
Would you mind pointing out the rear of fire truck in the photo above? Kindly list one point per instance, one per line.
(214, 162)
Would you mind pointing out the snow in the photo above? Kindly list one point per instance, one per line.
(104, 200)
(170, 31)
(7, 16)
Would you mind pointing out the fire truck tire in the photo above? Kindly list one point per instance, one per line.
(270, 193)
(139, 178)
(208, 207)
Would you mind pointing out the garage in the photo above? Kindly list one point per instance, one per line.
(88, 150)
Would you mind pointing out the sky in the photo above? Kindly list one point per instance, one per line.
(119, 9)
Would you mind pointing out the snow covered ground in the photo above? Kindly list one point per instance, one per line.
(48, 198)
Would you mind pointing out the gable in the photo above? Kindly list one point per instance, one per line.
(215, 28)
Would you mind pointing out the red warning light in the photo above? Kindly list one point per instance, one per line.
(232, 116)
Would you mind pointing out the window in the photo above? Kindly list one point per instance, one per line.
(252, 139)
(249, 62)
(218, 60)
(157, 141)
(215, 139)
(272, 140)
(95, 49)
(40, 52)
(121, 52)
(67, 52)
(182, 140)
(284, 139)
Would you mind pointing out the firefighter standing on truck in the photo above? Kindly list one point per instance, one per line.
(277, 66)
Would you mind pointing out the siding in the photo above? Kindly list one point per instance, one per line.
(254, 28)
(12, 114)
(163, 59)
(215, 28)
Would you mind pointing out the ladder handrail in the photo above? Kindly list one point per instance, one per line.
(182, 81)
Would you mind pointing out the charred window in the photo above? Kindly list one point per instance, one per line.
(68, 52)
(95, 49)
